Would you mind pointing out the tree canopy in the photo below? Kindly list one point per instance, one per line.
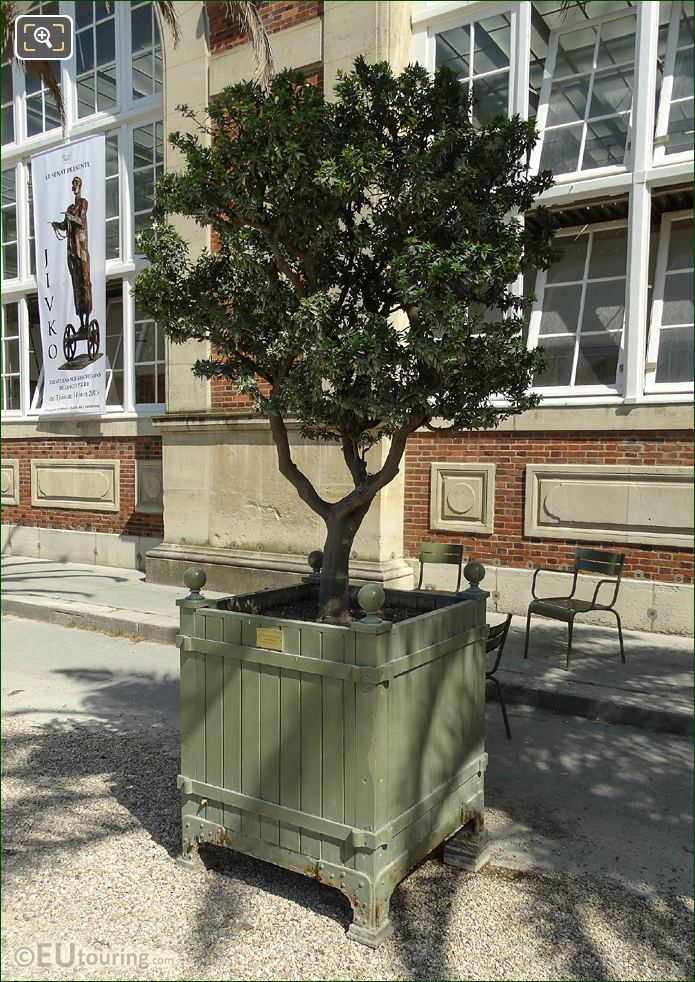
(368, 253)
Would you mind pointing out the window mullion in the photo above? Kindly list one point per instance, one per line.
(128, 346)
(520, 59)
(582, 303)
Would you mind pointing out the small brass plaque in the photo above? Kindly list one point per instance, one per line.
(269, 637)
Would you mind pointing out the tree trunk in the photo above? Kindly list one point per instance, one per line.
(334, 600)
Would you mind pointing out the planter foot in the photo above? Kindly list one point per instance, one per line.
(188, 858)
(469, 849)
(370, 924)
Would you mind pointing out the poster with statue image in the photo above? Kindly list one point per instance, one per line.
(70, 233)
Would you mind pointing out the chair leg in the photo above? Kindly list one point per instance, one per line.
(620, 636)
(570, 626)
(528, 628)
(503, 705)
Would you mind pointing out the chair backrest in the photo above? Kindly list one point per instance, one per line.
(609, 565)
(496, 639)
(441, 552)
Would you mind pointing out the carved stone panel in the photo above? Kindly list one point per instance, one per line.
(645, 505)
(462, 497)
(9, 479)
(149, 487)
(89, 485)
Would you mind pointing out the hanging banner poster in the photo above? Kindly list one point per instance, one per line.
(70, 231)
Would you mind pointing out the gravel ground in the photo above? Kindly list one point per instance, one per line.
(91, 829)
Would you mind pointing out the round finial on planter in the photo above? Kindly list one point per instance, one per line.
(371, 598)
(474, 572)
(195, 578)
(315, 560)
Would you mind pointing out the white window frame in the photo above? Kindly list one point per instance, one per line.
(436, 18)
(664, 110)
(535, 339)
(130, 114)
(651, 385)
(544, 101)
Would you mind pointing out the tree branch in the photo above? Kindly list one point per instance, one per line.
(289, 469)
(355, 464)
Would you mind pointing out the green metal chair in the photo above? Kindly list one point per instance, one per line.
(495, 642)
(441, 552)
(609, 565)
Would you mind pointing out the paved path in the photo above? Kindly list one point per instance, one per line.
(590, 877)
(653, 690)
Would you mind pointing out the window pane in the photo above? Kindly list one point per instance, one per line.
(114, 342)
(453, 50)
(571, 264)
(680, 127)
(144, 191)
(106, 89)
(145, 384)
(491, 44)
(561, 148)
(608, 253)
(106, 42)
(35, 347)
(598, 359)
(84, 13)
(560, 310)
(612, 92)
(7, 110)
(84, 47)
(143, 75)
(680, 251)
(683, 75)
(141, 27)
(617, 44)
(575, 53)
(678, 299)
(11, 357)
(605, 142)
(558, 354)
(144, 341)
(675, 359)
(604, 306)
(490, 97)
(568, 101)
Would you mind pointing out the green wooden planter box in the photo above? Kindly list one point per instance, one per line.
(348, 753)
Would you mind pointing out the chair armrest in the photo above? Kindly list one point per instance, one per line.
(613, 583)
(547, 569)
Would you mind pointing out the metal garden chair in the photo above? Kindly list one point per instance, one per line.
(441, 552)
(609, 564)
(496, 641)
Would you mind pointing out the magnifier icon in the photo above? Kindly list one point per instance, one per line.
(43, 36)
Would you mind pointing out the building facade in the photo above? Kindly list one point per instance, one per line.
(178, 471)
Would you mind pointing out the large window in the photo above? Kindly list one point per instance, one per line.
(586, 99)
(113, 84)
(580, 313)
(610, 87)
(479, 54)
(674, 127)
(670, 352)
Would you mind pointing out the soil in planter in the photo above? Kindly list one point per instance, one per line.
(308, 610)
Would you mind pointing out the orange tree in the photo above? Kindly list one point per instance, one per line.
(363, 244)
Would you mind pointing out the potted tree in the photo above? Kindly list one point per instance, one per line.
(363, 286)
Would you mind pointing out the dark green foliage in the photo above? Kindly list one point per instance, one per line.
(361, 242)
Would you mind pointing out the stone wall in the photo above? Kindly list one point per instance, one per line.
(101, 484)
(510, 541)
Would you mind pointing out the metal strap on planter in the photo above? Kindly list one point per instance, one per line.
(360, 674)
(358, 838)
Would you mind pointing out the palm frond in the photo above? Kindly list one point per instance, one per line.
(246, 17)
(168, 14)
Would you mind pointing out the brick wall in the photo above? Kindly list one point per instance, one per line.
(277, 16)
(124, 449)
(511, 452)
